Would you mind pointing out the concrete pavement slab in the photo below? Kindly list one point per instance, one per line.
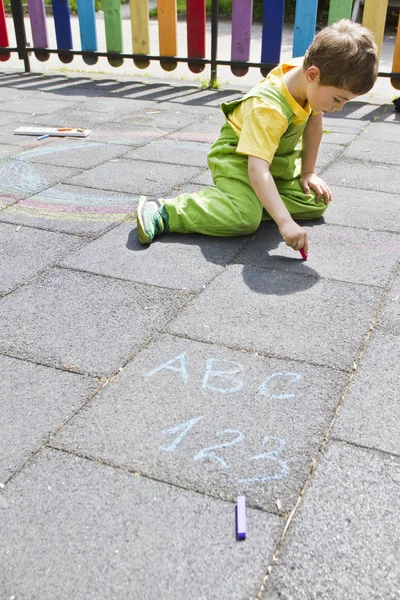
(341, 253)
(73, 528)
(72, 209)
(334, 137)
(389, 317)
(88, 323)
(178, 262)
(364, 175)
(370, 414)
(284, 314)
(179, 152)
(374, 151)
(5, 202)
(369, 209)
(383, 132)
(132, 136)
(164, 117)
(388, 115)
(135, 177)
(26, 251)
(203, 179)
(327, 154)
(79, 154)
(73, 117)
(210, 419)
(344, 541)
(20, 178)
(36, 106)
(8, 150)
(35, 402)
(335, 122)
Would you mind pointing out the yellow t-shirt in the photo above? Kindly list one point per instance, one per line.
(260, 126)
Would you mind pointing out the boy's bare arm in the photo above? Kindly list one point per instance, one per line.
(264, 187)
(311, 140)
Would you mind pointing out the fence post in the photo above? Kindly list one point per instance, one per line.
(214, 42)
(20, 34)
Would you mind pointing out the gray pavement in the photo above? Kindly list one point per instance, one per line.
(143, 389)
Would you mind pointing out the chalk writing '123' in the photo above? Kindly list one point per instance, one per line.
(235, 437)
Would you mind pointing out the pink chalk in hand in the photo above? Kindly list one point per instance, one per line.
(303, 254)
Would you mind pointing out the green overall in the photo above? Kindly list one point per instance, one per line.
(232, 207)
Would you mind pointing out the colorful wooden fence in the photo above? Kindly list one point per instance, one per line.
(374, 16)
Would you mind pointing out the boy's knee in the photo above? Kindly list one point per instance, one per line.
(250, 224)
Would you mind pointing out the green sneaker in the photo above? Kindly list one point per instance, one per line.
(152, 219)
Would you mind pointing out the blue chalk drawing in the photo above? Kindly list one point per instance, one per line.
(210, 372)
(168, 366)
(263, 387)
(184, 427)
(271, 456)
(206, 452)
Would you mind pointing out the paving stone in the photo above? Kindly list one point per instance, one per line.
(370, 415)
(175, 261)
(119, 133)
(383, 132)
(364, 175)
(173, 151)
(389, 317)
(363, 208)
(35, 401)
(204, 178)
(373, 150)
(282, 314)
(91, 324)
(167, 117)
(327, 153)
(21, 179)
(6, 201)
(36, 106)
(334, 137)
(72, 528)
(7, 135)
(342, 253)
(10, 93)
(72, 209)
(389, 115)
(78, 116)
(26, 252)
(220, 421)
(339, 123)
(80, 154)
(343, 542)
(8, 150)
(134, 177)
(357, 110)
(118, 106)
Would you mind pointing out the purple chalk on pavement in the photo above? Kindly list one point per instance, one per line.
(241, 517)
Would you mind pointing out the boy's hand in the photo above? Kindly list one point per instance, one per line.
(311, 181)
(294, 235)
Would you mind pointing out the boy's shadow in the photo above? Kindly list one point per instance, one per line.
(268, 265)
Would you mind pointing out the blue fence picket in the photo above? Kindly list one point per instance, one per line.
(304, 25)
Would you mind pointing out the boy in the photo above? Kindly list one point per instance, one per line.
(257, 170)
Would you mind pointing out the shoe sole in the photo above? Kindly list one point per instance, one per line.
(143, 237)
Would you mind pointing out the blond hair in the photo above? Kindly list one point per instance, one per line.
(346, 56)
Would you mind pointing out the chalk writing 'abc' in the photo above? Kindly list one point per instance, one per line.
(222, 376)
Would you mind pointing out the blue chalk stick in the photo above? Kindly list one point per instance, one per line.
(241, 517)
(43, 137)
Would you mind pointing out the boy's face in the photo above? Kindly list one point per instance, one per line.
(325, 98)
